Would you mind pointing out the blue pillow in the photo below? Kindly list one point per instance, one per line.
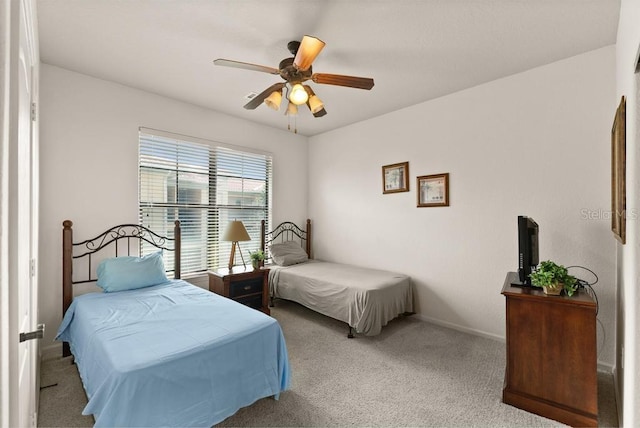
(129, 273)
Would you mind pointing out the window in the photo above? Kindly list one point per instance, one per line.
(204, 185)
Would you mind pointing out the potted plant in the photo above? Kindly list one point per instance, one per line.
(553, 278)
(257, 258)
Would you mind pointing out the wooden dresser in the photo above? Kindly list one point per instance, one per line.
(551, 354)
(243, 284)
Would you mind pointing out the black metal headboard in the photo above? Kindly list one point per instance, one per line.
(129, 233)
(286, 231)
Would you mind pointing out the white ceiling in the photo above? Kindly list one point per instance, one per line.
(415, 50)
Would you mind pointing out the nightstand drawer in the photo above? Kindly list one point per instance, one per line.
(251, 301)
(244, 287)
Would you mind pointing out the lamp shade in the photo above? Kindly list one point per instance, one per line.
(315, 104)
(273, 101)
(309, 49)
(235, 232)
(298, 95)
(292, 109)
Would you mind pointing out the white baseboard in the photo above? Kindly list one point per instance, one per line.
(618, 392)
(602, 366)
(460, 328)
(605, 367)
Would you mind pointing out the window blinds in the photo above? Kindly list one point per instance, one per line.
(205, 186)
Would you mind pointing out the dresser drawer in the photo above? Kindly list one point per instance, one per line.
(251, 301)
(246, 286)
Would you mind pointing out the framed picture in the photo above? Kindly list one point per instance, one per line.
(395, 178)
(618, 173)
(433, 190)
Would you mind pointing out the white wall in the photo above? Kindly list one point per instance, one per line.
(536, 144)
(628, 84)
(89, 155)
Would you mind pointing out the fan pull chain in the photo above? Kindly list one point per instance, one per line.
(295, 124)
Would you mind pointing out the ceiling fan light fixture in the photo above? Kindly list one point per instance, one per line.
(273, 101)
(298, 94)
(315, 104)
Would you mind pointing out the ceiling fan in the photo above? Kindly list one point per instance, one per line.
(295, 71)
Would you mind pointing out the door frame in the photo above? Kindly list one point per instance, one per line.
(5, 331)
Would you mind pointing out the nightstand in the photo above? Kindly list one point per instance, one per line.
(244, 285)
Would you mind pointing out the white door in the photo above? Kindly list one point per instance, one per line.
(23, 218)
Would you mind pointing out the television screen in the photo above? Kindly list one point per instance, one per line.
(527, 248)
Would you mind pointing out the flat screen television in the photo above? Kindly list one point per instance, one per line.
(528, 257)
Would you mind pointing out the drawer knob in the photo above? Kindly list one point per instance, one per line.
(247, 287)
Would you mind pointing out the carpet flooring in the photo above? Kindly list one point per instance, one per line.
(413, 374)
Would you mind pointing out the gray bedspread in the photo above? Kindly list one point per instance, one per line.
(366, 299)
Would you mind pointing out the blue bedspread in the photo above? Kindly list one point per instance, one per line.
(172, 355)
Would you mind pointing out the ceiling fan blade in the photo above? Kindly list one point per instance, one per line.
(258, 99)
(340, 80)
(246, 66)
(309, 49)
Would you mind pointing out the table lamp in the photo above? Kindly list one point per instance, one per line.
(235, 233)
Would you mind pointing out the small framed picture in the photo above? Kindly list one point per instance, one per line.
(395, 178)
(618, 173)
(433, 190)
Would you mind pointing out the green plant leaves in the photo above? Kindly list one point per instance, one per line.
(549, 273)
(257, 255)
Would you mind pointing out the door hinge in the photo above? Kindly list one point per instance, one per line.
(38, 334)
(33, 267)
(33, 112)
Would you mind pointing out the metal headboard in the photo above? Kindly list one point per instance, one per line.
(129, 233)
(286, 231)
